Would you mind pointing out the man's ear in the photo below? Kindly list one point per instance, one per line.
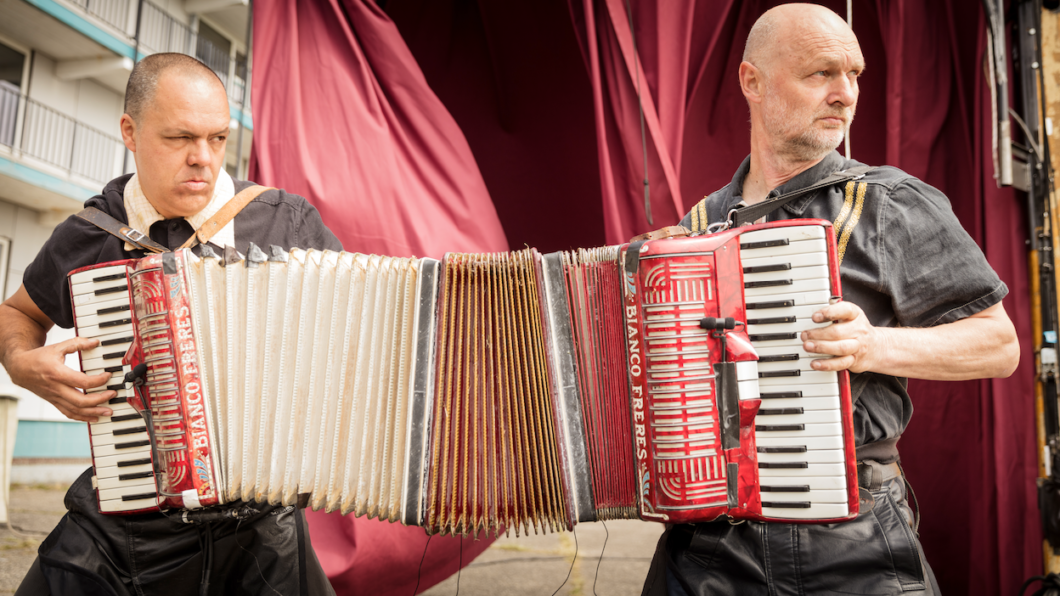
(128, 132)
(751, 82)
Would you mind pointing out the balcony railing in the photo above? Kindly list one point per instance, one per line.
(113, 12)
(57, 139)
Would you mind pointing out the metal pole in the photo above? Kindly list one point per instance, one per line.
(240, 173)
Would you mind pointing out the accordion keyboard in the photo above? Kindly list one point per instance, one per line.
(121, 447)
(798, 429)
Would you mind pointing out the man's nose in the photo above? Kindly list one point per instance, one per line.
(844, 91)
(199, 154)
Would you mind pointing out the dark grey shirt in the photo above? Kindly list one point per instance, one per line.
(274, 217)
(907, 262)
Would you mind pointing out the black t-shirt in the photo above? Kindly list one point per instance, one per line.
(906, 261)
(274, 217)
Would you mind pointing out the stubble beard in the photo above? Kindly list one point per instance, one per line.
(798, 137)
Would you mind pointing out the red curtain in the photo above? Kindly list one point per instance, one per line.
(546, 94)
(345, 118)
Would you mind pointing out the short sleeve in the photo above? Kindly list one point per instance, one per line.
(312, 233)
(931, 268)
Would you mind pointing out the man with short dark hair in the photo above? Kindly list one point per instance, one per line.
(920, 301)
(176, 124)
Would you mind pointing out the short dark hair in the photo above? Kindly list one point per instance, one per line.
(140, 91)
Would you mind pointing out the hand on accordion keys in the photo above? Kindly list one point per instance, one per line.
(851, 338)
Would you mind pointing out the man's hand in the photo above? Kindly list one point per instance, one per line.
(42, 369)
(981, 346)
(850, 338)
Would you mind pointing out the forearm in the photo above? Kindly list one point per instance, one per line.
(972, 348)
(18, 333)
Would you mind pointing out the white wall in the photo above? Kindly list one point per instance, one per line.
(84, 99)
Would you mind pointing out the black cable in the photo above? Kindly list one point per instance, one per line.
(419, 574)
(575, 532)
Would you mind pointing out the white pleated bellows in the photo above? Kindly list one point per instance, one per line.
(308, 359)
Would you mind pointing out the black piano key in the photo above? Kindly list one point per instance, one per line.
(116, 341)
(109, 277)
(764, 244)
(788, 504)
(765, 305)
(114, 323)
(773, 336)
(116, 386)
(130, 431)
(771, 321)
(113, 369)
(768, 268)
(135, 475)
(804, 488)
(113, 355)
(774, 374)
(764, 427)
(131, 444)
(767, 283)
(112, 309)
(779, 358)
(134, 462)
(113, 290)
(783, 465)
(794, 449)
(139, 496)
(114, 401)
(780, 394)
(779, 411)
(125, 417)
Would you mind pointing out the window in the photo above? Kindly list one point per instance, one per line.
(12, 63)
(214, 49)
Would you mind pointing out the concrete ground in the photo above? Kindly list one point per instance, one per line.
(533, 565)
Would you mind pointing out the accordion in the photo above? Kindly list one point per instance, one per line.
(663, 380)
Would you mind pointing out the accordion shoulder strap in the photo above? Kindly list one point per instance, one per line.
(122, 230)
(751, 213)
(225, 215)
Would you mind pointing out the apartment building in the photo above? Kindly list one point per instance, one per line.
(63, 69)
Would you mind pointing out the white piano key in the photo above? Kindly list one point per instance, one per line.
(97, 331)
(815, 511)
(812, 469)
(802, 364)
(807, 390)
(811, 377)
(806, 403)
(790, 233)
(807, 417)
(800, 312)
(799, 273)
(815, 456)
(785, 350)
(119, 410)
(772, 440)
(102, 363)
(112, 301)
(93, 320)
(811, 430)
(111, 348)
(772, 293)
(809, 259)
(97, 292)
(799, 247)
(133, 455)
(796, 328)
(835, 482)
(106, 446)
(117, 505)
(815, 496)
(756, 306)
(144, 485)
(110, 427)
(115, 477)
(86, 277)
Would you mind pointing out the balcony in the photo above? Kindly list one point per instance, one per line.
(55, 144)
(115, 13)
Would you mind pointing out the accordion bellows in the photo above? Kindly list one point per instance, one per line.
(483, 392)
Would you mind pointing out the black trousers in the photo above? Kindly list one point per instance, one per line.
(876, 553)
(110, 555)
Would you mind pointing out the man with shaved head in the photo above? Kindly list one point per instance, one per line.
(920, 301)
(176, 123)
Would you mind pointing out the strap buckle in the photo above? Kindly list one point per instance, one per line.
(133, 235)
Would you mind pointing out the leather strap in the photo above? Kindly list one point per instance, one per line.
(752, 213)
(122, 231)
(225, 215)
(872, 475)
(667, 232)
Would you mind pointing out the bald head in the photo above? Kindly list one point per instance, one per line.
(782, 29)
(143, 82)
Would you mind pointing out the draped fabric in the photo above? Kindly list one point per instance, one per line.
(345, 118)
(550, 95)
